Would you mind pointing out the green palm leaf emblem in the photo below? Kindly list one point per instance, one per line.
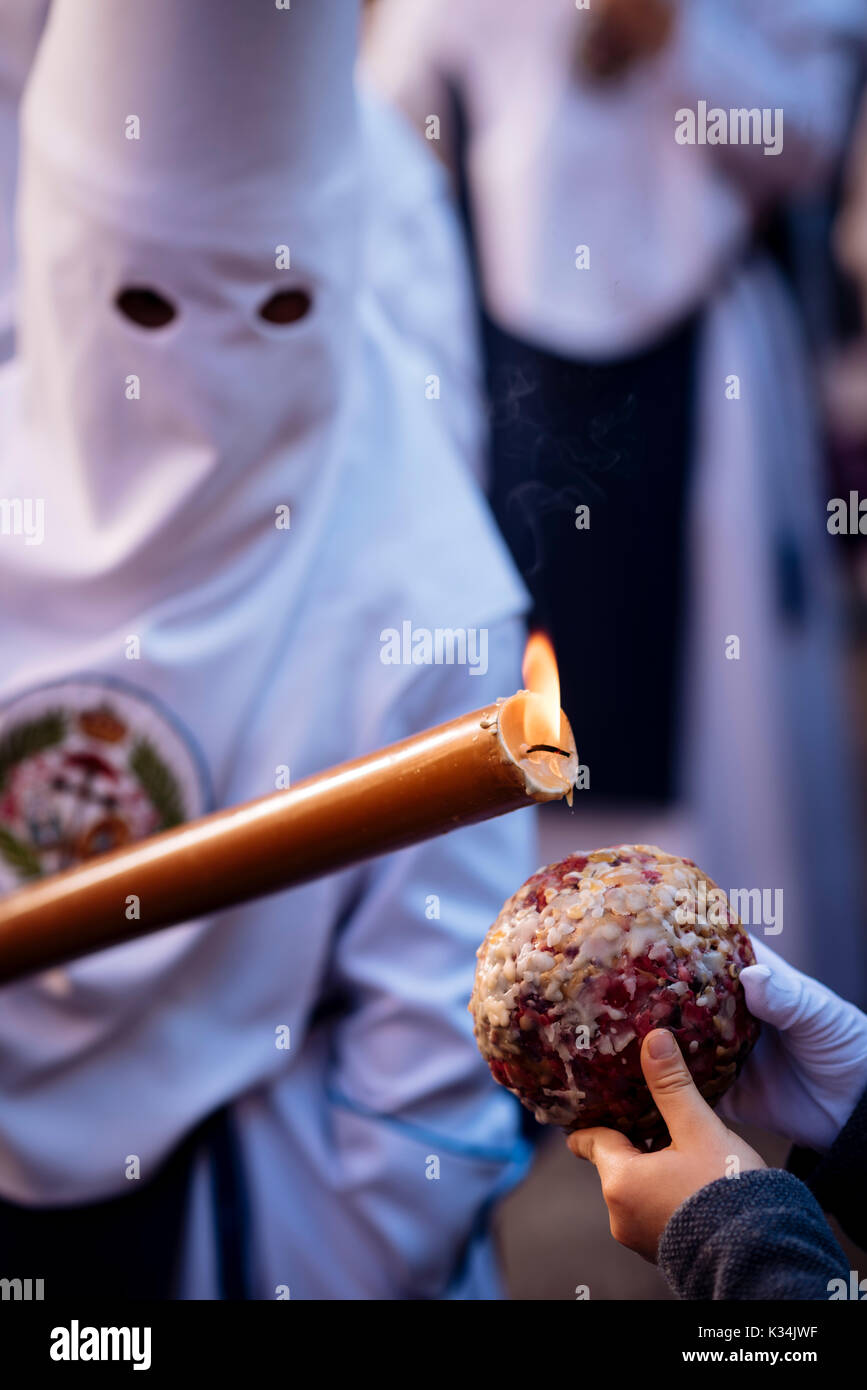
(18, 855)
(159, 782)
(22, 741)
(26, 740)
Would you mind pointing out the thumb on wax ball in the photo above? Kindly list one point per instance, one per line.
(674, 1092)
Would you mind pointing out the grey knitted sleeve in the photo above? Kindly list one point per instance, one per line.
(761, 1235)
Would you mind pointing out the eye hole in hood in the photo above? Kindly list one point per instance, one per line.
(287, 306)
(148, 308)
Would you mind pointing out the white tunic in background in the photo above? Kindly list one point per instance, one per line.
(555, 161)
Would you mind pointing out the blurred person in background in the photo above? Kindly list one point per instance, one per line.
(655, 458)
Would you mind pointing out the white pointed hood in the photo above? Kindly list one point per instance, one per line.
(183, 170)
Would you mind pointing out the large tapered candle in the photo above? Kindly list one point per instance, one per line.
(509, 754)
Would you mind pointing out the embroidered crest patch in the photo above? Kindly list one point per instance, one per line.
(86, 766)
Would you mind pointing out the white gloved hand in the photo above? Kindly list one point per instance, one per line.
(809, 1067)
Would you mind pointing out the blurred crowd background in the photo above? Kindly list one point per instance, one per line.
(673, 350)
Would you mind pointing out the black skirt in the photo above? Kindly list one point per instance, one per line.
(608, 583)
(129, 1247)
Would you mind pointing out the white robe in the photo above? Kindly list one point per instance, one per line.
(259, 648)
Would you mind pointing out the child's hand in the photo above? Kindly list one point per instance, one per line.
(642, 1190)
(809, 1066)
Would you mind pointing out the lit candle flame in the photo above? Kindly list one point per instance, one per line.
(542, 719)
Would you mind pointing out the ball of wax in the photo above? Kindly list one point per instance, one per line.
(588, 957)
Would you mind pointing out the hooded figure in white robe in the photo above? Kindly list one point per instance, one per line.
(237, 485)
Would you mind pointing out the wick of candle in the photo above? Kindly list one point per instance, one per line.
(546, 748)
